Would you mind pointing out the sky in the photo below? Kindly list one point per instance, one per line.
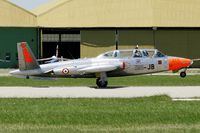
(29, 4)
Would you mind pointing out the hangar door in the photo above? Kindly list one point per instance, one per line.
(67, 41)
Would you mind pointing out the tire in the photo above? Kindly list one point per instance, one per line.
(101, 84)
(183, 74)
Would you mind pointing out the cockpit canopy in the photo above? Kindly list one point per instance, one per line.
(135, 53)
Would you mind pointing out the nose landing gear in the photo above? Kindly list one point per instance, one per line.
(183, 74)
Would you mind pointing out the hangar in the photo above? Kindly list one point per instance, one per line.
(87, 28)
(16, 24)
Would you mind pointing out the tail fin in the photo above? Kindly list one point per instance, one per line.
(27, 60)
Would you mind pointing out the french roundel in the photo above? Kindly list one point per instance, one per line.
(65, 71)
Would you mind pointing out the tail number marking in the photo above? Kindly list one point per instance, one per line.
(151, 67)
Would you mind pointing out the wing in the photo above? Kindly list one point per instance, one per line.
(102, 68)
(81, 70)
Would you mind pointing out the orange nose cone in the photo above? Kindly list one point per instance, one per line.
(178, 63)
(186, 62)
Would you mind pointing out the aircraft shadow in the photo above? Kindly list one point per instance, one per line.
(109, 87)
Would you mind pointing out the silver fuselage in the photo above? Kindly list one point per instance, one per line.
(133, 66)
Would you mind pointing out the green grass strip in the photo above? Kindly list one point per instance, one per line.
(152, 114)
(117, 81)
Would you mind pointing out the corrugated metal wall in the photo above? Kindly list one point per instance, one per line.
(175, 42)
(96, 13)
(94, 42)
(14, 16)
(123, 14)
(179, 42)
(8, 43)
(129, 38)
(120, 13)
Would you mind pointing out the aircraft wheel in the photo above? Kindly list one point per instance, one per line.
(183, 74)
(27, 77)
(101, 83)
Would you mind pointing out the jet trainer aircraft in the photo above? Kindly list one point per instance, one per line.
(110, 64)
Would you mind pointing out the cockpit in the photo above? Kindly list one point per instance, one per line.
(135, 53)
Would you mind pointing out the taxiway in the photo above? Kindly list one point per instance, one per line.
(91, 92)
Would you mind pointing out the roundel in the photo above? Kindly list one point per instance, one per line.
(65, 71)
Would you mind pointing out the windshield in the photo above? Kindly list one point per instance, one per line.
(108, 54)
(136, 53)
(124, 54)
(145, 53)
(159, 54)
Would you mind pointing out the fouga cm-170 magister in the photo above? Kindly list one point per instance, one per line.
(114, 63)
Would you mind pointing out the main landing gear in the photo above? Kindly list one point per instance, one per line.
(101, 83)
(27, 77)
(102, 80)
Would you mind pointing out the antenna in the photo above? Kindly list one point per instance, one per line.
(57, 48)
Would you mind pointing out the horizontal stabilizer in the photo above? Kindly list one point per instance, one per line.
(1, 60)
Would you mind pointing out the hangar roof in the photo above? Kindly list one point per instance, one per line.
(44, 8)
(119, 13)
(12, 15)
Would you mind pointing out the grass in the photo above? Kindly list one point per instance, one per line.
(119, 81)
(149, 114)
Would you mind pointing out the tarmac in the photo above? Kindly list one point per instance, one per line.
(183, 92)
(177, 93)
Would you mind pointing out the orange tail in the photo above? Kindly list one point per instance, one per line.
(27, 60)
